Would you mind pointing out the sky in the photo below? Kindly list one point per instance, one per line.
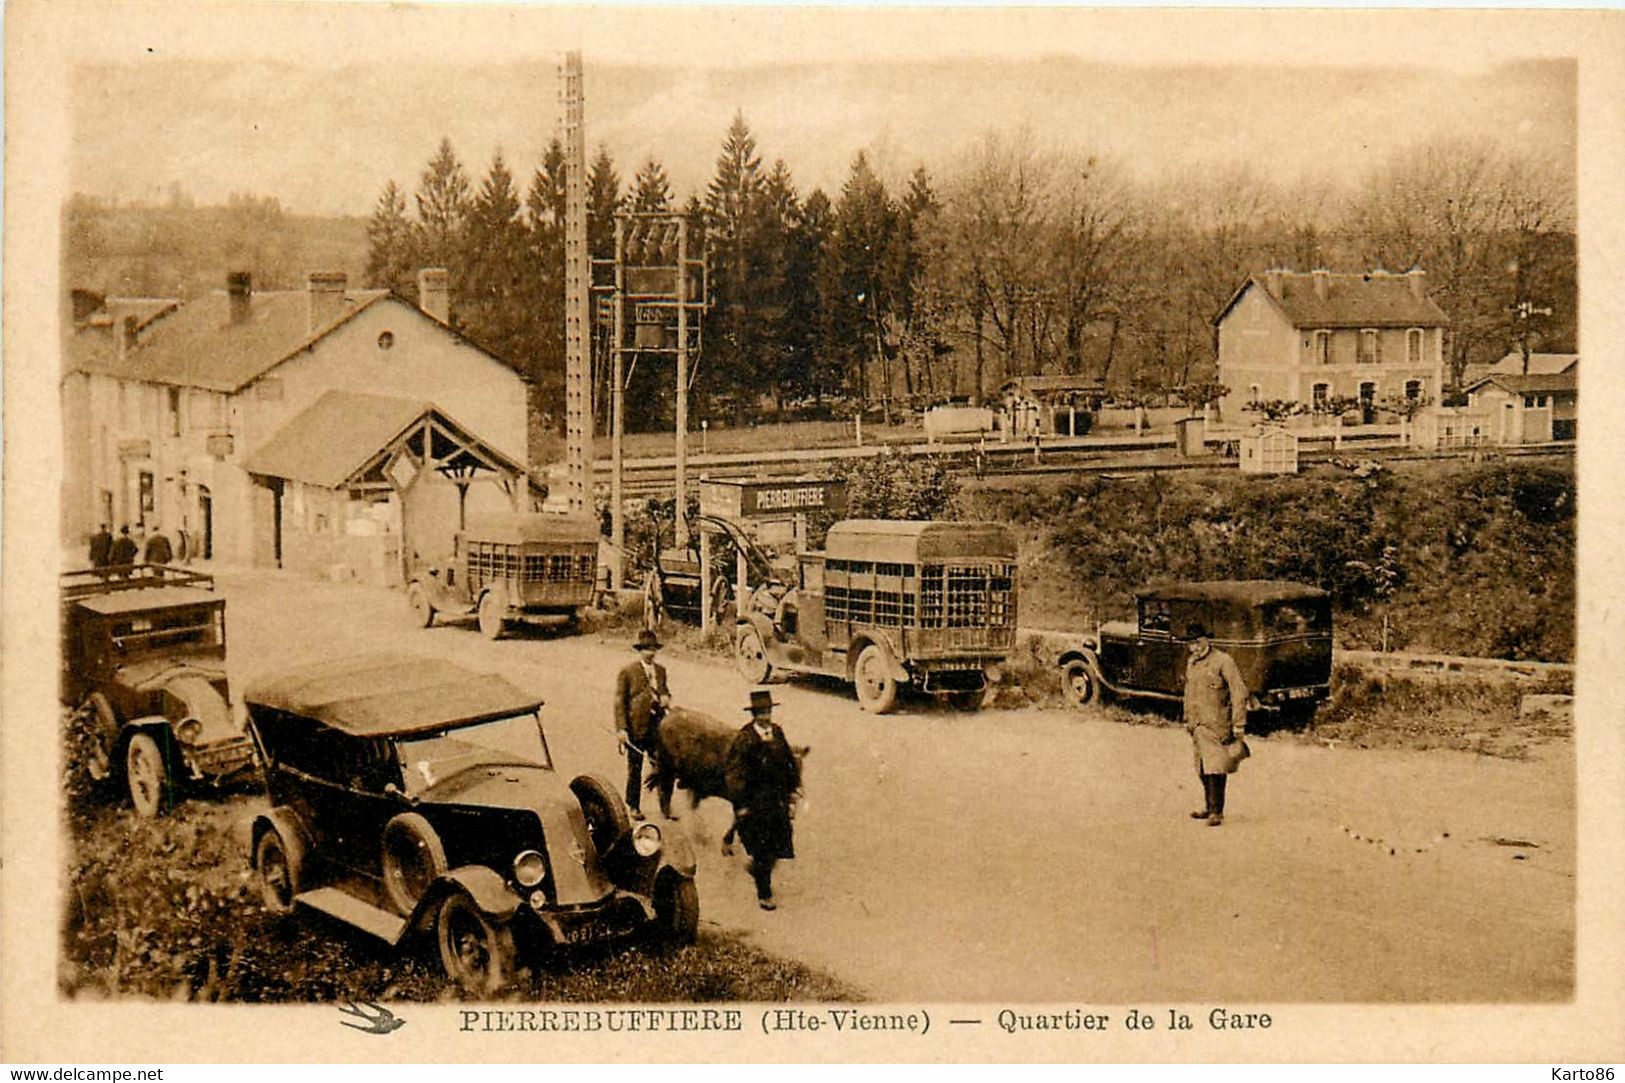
(323, 107)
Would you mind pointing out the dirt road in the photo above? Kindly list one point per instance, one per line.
(1047, 856)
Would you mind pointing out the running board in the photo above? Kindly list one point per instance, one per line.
(363, 915)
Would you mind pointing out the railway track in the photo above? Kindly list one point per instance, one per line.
(656, 479)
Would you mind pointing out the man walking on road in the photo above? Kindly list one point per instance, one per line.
(763, 779)
(641, 698)
(1216, 718)
(123, 553)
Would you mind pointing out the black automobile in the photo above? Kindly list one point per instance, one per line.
(411, 795)
(1279, 633)
(144, 663)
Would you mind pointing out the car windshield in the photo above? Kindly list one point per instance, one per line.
(513, 741)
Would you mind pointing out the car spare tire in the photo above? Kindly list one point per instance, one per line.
(603, 809)
(413, 859)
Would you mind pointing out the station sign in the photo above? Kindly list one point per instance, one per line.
(742, 500)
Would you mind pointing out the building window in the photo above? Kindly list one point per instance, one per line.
(1413, 346)
(1529, 402)
(1323, 348)
(1319, 393)
(174, 411)
(1413, 390)
(1370, 347)
(386, 340)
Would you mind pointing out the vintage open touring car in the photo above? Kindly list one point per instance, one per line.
(144, 664)
(410, 795)
(1279, 633)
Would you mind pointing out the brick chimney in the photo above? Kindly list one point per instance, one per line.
(1418, 281)
(324, 297)
(434, 292)
(240, 291)
(1323, 282)
(127, 335)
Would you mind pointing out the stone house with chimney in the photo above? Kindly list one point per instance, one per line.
(326, 429)
(1310, 337)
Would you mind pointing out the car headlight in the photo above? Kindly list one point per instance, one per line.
(646, 840)
(529, 868)
(189, 731)
(994, 674)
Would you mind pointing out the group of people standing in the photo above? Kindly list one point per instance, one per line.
(119, 553)
(763, 774)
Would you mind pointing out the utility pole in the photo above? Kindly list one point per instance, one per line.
(577, 299)
(681, 528)
(1523, 311)
(617, 412)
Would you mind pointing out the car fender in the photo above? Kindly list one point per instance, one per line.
(888, 653)
(676, 854)
(484, 885)
(285, 821)
(763, 625)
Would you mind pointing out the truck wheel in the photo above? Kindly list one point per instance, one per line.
(493, 612)
(603, 809)
(147, 775)
(877, 689)
(677, 910)
(281, 868)
(751, 658)
(422, 609)
(98, 715)
(476, 952)
(1078, 683)
(413, 859)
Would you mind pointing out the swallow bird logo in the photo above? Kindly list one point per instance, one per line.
(377, 1019)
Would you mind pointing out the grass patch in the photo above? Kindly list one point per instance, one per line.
(1377, 710)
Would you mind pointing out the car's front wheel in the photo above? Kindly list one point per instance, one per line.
(281, 867)
(493, 612)
(147, 775)
(413, 859)
(475, 951)
(1079, 684)
(877, 688)
(751, 657)
(677, 909)
(422, 608)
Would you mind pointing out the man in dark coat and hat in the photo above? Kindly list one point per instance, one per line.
(1216, 718)
(764, 778)
(122, 556)
(101, 547)
(641, 698)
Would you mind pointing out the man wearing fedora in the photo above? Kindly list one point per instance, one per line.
(1216, 718)
(763, 780)
(641, 698)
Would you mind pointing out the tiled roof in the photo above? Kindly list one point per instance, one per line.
(1533, 383)
(1540, 364)
(334, 437)
(1374, 299)
(199, 346)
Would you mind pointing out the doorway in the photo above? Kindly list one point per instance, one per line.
(205, 511)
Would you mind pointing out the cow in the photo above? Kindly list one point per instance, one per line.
(693, 753)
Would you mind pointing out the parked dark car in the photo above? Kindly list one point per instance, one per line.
(410, 795)
(144, 663)
(1279, 633)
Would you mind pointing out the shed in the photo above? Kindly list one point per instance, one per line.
(1269, 449)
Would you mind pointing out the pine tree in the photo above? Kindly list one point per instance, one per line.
(865, 223)
(443, 202)
(733, 212)
(603, 201)
(494, 305)
(391, 257)
(651, 191)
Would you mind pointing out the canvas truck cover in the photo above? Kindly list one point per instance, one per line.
(906, 541)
